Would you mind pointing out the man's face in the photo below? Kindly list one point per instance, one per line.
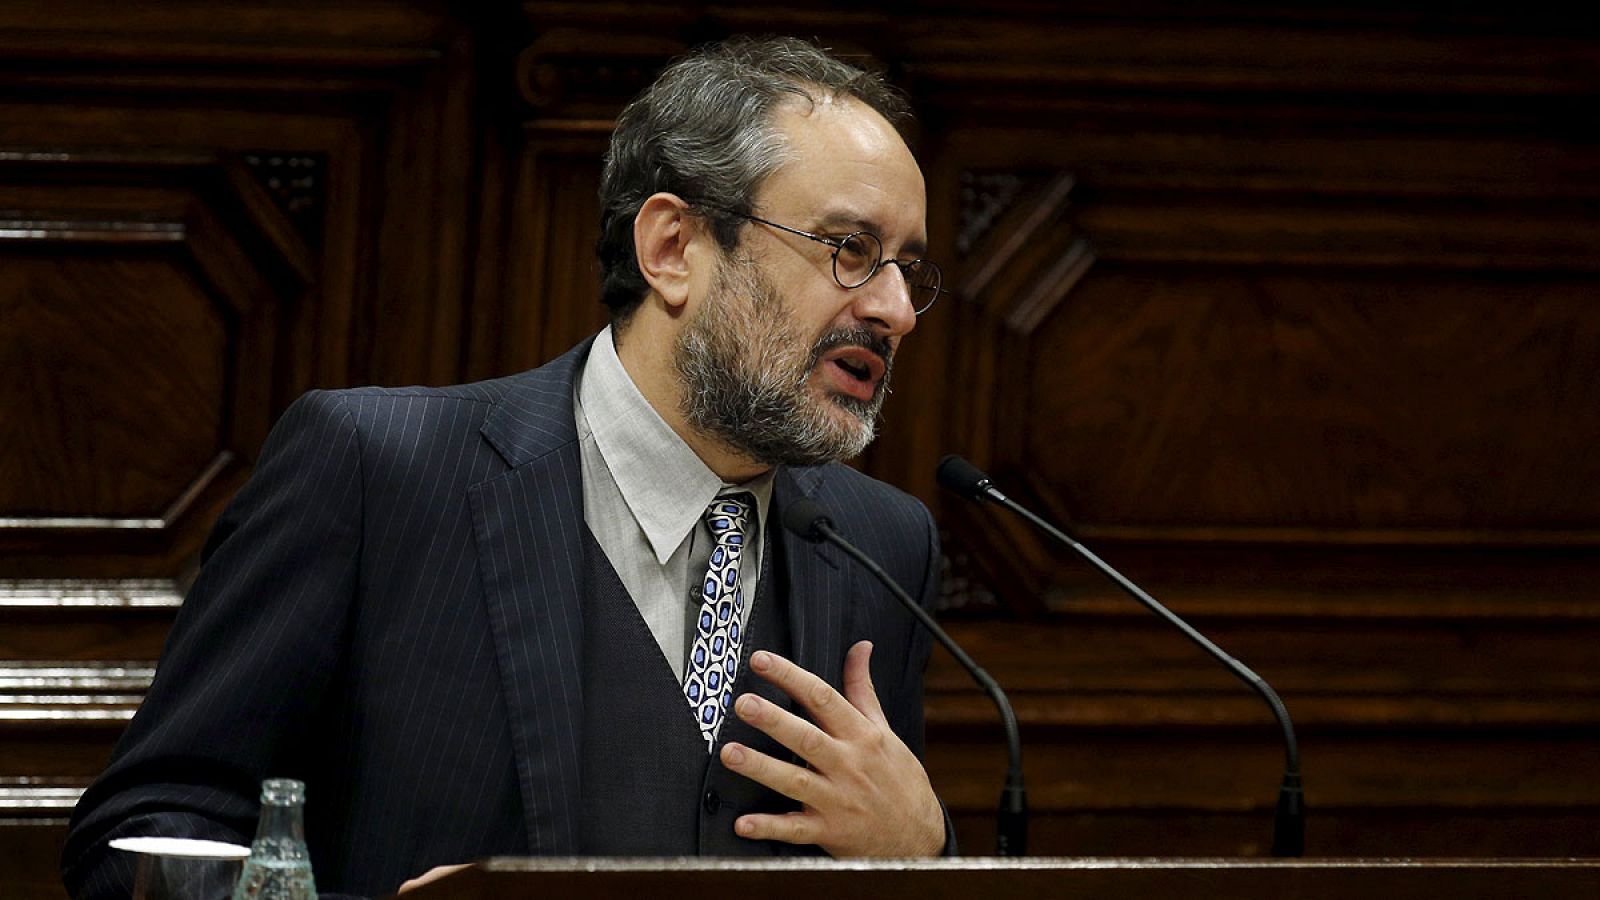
(747, 375)
(779, 361)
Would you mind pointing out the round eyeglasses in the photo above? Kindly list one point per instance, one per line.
(859, 255)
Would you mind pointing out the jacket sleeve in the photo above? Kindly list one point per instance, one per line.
(248, 659)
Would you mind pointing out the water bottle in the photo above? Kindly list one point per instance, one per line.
(279, 867)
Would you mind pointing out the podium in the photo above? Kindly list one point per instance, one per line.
(1027, 878)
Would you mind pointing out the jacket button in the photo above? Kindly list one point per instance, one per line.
(713, 801)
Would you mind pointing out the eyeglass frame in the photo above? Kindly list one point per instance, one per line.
(838, 245)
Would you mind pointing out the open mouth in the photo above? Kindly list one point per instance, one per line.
(859, 364)
(853, 363)
(858, 371)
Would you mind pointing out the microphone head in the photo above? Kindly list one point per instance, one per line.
(806, 518)
(963, 477)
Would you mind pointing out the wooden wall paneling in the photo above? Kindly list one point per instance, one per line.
(23, 852)
(1402, 718)
(76, 658)
(1341, 490)
(571, 82)
(1339, 405)
(141, 301)
(430, 145)
(377, 101)
(310, 117)
(303, 178)
(261, 384)
(151, 315)
(555, 280)
(1286, 309)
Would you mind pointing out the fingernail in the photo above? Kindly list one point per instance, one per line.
(760, 661)
(747, 704)
(733, 755)
(746, 828)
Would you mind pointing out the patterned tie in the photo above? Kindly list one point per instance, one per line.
(714, 658)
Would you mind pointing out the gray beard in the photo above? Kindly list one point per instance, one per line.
(744, 374)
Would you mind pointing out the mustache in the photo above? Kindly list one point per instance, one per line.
(864, 338)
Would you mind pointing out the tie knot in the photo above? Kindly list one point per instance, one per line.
(727, 516)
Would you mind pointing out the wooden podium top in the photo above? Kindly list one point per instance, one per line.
(1028, 878)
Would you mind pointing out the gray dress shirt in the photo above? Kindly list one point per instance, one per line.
(644, 494)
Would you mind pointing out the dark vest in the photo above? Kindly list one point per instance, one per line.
(648, 786)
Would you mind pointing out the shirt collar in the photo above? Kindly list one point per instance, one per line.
(665, 484)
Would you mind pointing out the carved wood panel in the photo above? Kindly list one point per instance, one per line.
(1306, 352)
(204, 215)
(1288, 311)
(140, 312)
(1220, 403)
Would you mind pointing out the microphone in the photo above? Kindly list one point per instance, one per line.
(1289, 822)
(807, 518)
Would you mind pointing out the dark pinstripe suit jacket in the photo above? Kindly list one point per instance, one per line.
(389, 611)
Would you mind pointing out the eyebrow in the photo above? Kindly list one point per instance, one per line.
(853, 222)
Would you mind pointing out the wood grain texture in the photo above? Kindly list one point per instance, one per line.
(1289, 312)
(77, 450)
(1221, 398)
(140, 306)
(1043, 878)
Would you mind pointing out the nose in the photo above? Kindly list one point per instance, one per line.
(884, 303)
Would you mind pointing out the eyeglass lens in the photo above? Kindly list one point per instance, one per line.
(857, 261)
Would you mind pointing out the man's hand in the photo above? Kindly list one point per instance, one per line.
(430, 876)
(864, 793)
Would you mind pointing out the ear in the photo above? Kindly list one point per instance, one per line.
(663, 232)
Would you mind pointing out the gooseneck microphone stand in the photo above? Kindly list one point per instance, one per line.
(810, 521)
(1289, 823)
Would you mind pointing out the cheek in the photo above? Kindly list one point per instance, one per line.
(828, 312)
(807, 316)
(815, 303)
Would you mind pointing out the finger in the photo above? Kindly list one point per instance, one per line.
(807, 741)
(858, 687)
(828, 708)
(430, 876)
(791, 828)
(795, 782)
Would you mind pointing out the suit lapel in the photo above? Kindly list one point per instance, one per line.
(528, 524)
(820, 582)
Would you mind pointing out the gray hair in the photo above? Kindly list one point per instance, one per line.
(704, 132)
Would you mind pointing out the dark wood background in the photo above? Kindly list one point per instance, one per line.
(1289, 310)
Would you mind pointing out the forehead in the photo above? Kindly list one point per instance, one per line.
(846, 163)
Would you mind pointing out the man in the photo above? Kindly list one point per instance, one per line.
(459, 613)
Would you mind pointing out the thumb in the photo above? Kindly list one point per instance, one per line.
(858, 687)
